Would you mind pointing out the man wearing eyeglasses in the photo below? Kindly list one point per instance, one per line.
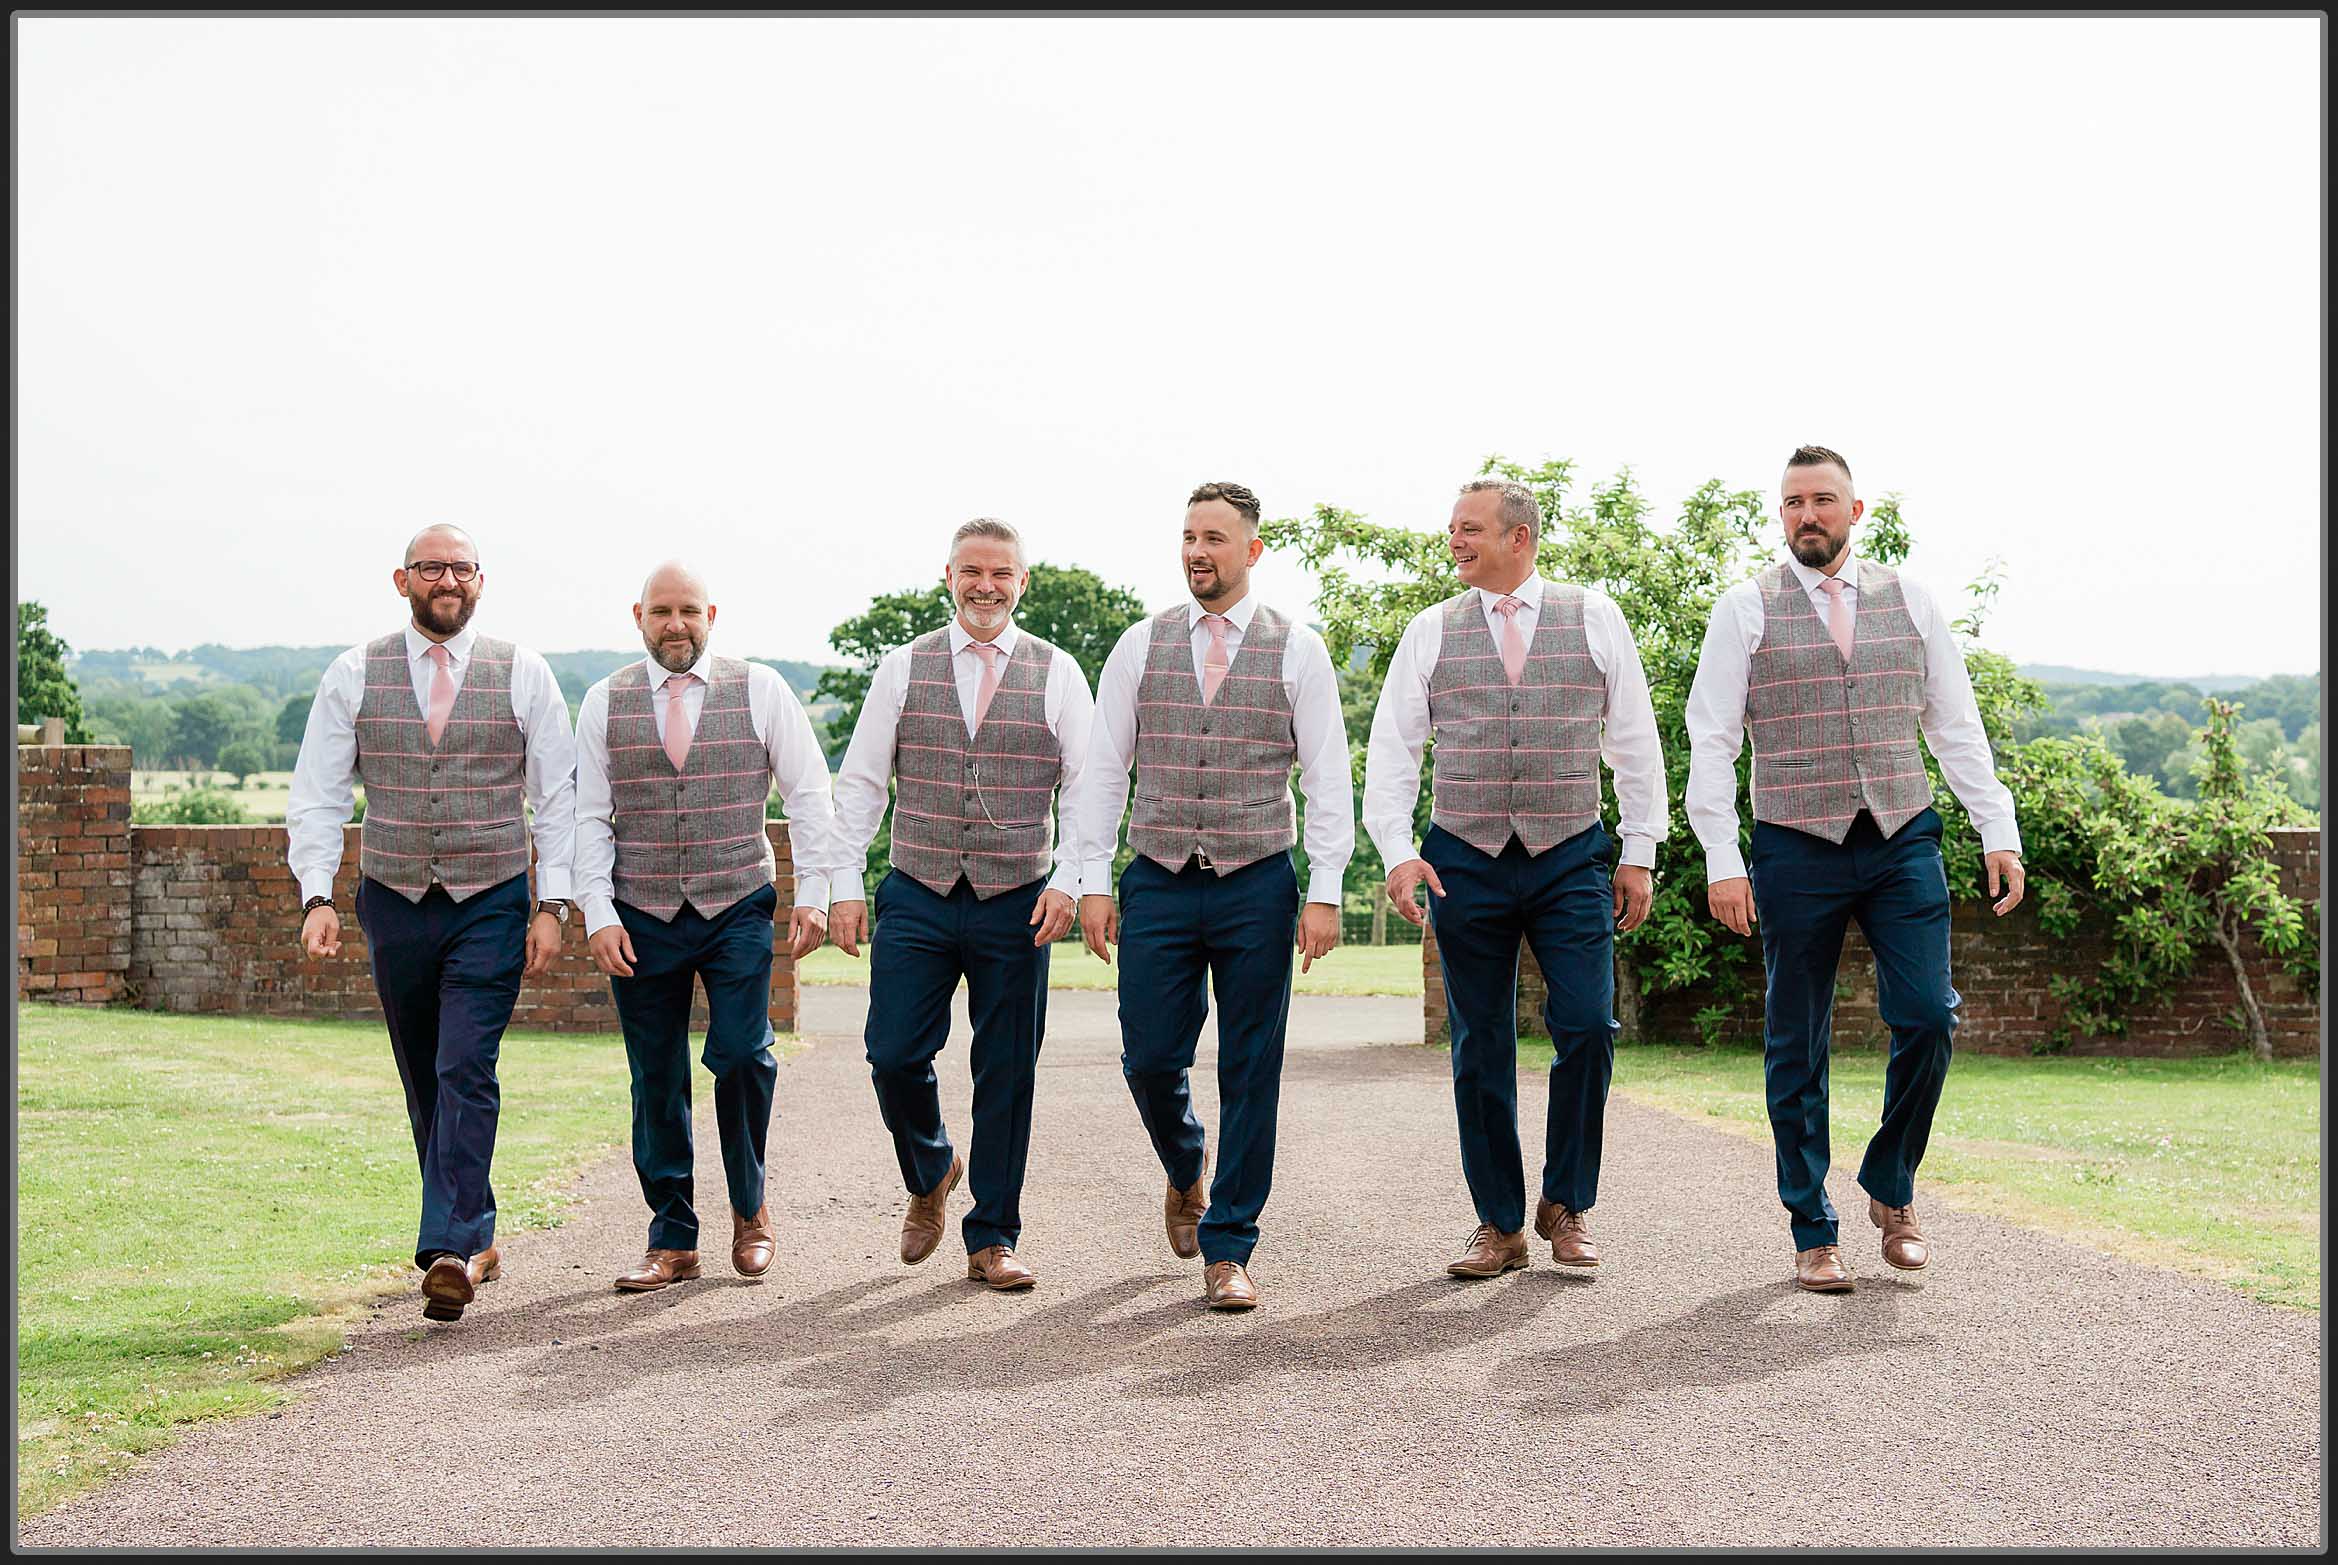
(450, 732)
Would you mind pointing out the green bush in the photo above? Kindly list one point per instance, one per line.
(195, 807)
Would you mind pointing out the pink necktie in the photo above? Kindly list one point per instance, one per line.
(1838, 616)
(677, 718)
(989, 653)
(442, 693)
(1213, 662)
(1513, 644)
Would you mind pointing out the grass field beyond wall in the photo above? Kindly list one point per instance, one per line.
(203, 1202)
(2209, 1166)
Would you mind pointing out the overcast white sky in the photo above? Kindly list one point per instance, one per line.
(795, 297)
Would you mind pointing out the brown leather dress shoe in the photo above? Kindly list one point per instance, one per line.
(1569, 1232)
(1000, 1267)
(658, 1268)
(921, 1228)
(1821, 1269)
(446, 1288)
(487, 1265)
(1488, 1252)
(1903, 1242)
(1181, 1212)
(1228, 1287)
(751, 1244)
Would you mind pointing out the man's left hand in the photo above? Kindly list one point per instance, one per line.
(1635, 889)
(2004, 872)
(1318, 932)
(543, 944)
(806, 928)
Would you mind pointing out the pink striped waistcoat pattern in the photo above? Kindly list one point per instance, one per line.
(1831, 737)
(976, 806)
(1517, 759)
(452, 812)
(1214, 779)
(695, 835)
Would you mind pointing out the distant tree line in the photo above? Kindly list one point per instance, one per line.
(2160, 730)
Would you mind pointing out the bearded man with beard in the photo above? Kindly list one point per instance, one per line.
(978, 726)
(1832, 665)
(449, 731)
(675, 757)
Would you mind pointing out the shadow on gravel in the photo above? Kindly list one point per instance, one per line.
(1753, 1334)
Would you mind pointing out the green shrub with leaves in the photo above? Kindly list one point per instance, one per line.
(194, 807)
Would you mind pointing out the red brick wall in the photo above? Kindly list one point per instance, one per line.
(73, 932)
(2000, 967)
(207, 918)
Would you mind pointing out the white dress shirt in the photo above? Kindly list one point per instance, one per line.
(798, 768)
(862, 782)
(1951, 718)
(1316, 723)
(324, 777)
(1627, 740)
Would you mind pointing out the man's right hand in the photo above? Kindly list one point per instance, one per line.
(320, 932)
(1100, 925)
(1404, 882)
(1732, 902)
(848, 925)
(612, 950)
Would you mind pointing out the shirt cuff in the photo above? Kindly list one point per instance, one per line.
(1324, 884)
(1639, 851)
(1096, 878)
(812, 889)
(1066, 879)
(599, 914)
(2001, 837)
(320, 885)
(554, 883)
(1724, 862)
(847, 885)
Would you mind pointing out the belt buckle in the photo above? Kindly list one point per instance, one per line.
(1203, 859)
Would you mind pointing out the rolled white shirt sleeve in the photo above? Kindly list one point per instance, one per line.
(864, 778)
(1628, 740)
(542, 713)
(1321, 732)
(1952, 727)
(800, 770)
(596, 831)
(1071, 713)
(1400, 732)
(1101, 799)
(1716, 727)
(324, 777)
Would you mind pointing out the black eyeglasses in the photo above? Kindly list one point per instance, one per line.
(432, 570)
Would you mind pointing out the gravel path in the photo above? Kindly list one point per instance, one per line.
(2024, 1391)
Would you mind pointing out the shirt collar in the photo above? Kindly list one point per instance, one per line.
(1528, 592)
(1240, 613)
(960, 640)
(1811, 578)
(658, 673)
(458, 645)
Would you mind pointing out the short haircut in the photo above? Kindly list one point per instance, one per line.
(987, 527)
(1817, 456)
(1518, 505)
(1235, 495)
(408, 557)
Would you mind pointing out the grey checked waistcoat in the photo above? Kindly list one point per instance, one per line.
(694, 835)
(1831, 738)
(976, 806)
(454, 812)
(1214, 779)
(1520, 758)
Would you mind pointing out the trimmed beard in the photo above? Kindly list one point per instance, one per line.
(426, 612)
(1818, 555)
(975, 614)
(661, 653)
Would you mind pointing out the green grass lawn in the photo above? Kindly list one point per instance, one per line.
(1353, 970)
(265, 795)
(204, 1202)
(2210, 1166)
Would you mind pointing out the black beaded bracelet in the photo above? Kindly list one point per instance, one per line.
(313, 903)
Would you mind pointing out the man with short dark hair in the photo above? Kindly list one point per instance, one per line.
(1523, 684)
(977, 725)
(1214, 700)
(1832, 666)
(451, 732)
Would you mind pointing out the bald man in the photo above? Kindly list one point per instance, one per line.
(675, 757)
(450, 731)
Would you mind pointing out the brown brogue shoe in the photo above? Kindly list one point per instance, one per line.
(447, 1287)
(1000, 1267)
(1903, 1243)
(1570, 1237)
(751, 1244)
(1181, 1212)
(658, 1268)
(1228, 1287)
(1488, 1252)
(1820, 1269)
(487, 1265)
(921, 1229)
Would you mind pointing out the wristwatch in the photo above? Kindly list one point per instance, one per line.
(313, 903)
(554, 906)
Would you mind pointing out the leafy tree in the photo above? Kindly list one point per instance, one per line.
(43, 687)
(203, 725)
(292, 718)
(144, 724)
(244, 756)
(2148, 744)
